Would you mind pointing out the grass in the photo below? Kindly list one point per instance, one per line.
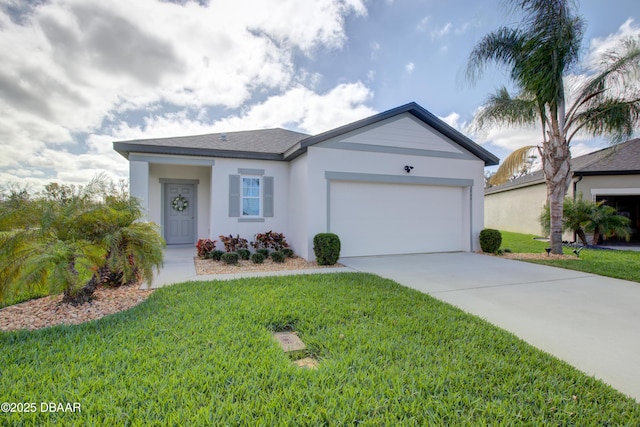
(201, 353)
(619, 264)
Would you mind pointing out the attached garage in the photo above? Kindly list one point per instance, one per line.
(378, 214)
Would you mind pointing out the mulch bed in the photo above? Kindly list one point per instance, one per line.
(51, 311)
(538, 256)
(208, 266)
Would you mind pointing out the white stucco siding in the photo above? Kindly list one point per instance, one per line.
(139, 183)
(298, 199)
(223, 224)
(440, 171)
(404, 131)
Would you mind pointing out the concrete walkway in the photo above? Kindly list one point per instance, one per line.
(589, 321)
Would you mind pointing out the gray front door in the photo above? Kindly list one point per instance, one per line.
(179, 217)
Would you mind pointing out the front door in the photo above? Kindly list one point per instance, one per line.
(179, 218)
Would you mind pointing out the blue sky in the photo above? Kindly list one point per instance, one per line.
(78, 75)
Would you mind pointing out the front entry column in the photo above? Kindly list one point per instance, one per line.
(139, 183)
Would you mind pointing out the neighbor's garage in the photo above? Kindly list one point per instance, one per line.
(374, 218)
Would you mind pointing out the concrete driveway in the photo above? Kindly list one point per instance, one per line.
(589, 321)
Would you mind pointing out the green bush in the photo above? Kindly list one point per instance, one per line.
(230, 258)
(257, 258)
(288, 252)
(278, 257)
(490, 240)
(326, 247)
(243, 253)
(263, 252)
(215, 255)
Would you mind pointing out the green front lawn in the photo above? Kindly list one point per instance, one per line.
(618, 264)
(202, 354)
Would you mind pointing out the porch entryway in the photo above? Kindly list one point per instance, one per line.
(180, 207)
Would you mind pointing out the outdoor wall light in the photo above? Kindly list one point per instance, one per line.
(408, 168)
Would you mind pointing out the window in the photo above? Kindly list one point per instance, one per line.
(251, 196)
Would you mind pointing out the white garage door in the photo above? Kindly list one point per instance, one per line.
(379, 219)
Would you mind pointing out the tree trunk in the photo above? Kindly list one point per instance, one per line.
(84, 294)
(582, 237)
(557, 174)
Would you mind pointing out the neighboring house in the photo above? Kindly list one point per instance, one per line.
(398, 182)
(611, 174)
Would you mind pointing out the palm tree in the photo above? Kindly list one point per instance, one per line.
(539, 55)
(576, 214)
(605, 222)
(582, 215)
(80, 243)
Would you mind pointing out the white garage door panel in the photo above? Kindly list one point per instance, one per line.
(377, 219)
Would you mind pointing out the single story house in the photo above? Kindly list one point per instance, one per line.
(611, 174)
(401, 181)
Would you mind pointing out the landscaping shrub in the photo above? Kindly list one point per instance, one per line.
(278, 257)
(288, 252)
(257, 258)
(204, 247)
(326, 247)
(230, 258)
(243, 253)
(490, 240)
(77, 239)
(215, 255)
(263, 252)
(232, 244)
(270, 240)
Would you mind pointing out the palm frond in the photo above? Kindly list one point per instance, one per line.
(612, 117)
(619, 71)
(501, 47)
(502, 108)
(512, 164)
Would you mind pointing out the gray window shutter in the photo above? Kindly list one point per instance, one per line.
(267, 196)
(234, 195)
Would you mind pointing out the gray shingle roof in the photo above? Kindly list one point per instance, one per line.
(265, 143)
(282, 144)
(620, 159)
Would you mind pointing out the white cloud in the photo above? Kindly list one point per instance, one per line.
(69, 65)
(453, 120)
(410, 67)
(298, 108)
(423, 24)
(600, 46)
(439, 33)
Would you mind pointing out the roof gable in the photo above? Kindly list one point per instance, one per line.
(420, 115)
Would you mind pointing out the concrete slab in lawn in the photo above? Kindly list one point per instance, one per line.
(289, 341)
(590, 321)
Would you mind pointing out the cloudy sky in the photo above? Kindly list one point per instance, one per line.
(77, 75)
